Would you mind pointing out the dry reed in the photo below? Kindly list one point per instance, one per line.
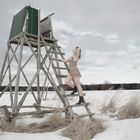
(83, 129)
(130, 110)
(110, 106)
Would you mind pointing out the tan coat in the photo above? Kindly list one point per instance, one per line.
(74, 71)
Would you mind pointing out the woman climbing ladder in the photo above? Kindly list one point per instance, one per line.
(73, 79)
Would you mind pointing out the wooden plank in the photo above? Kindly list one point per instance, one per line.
(54, 59)
(57, 46)
(74, 95)
(55, 52)
(86, 115)
(89, 112)
(10, 77)
(78, 105)
(61, 76)
(49, 39)
(45, 38)
(61, 68)
(39, 112)
(15, 102)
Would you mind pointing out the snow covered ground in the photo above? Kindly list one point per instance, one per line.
(127, 129)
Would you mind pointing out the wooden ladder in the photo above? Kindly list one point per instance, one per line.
(56, 51)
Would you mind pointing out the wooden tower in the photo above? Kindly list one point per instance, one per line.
(32, 47)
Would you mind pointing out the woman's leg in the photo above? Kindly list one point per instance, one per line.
(78, 85)
(80, 90)
(68, 81)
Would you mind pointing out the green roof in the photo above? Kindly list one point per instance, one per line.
(19, 19)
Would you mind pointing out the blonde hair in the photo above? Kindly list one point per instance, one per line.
(79, 52)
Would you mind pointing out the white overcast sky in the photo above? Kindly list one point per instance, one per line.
(108, 32)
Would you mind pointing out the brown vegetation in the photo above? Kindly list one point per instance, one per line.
(110, 106)
(53, 123)
(130, 110)
(83, 129)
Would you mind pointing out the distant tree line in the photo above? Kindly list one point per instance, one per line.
(109, 86)
(105, 86)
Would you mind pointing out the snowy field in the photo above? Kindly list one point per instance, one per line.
(115, 129)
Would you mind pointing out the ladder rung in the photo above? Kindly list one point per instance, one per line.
(54, 59)
(49, 39)
(85, 115)
(61, 76)
(57, 46)
(57, 52)
(74, 95)
(61, 68)
(78, 105)
(62, 85)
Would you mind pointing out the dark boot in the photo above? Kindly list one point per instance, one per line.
(74, 90)
(81, 100)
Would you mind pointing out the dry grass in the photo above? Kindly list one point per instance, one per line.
(53, 123)
(7, 126)
(130, 110)
(83, 129)
(110, 106)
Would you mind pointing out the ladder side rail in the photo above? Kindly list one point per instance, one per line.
(57, 64)
(63, 93)
(58, 92)
(60, 83)
(66, 65)
(89, 112)
(62, 88)
(50, 59)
